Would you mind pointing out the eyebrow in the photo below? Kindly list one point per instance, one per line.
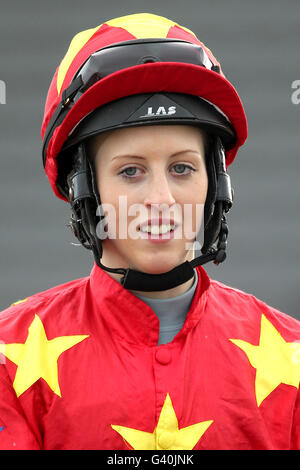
(143, 158)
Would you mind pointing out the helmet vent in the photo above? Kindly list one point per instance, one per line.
(148, 59)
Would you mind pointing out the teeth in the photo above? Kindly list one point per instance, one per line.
(157, 229)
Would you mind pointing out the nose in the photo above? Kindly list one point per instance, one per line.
(159, 191)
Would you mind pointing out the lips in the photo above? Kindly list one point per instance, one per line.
(159, 230)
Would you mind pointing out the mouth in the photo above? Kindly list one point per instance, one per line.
(158, 229)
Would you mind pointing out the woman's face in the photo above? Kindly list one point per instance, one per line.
(152, 182)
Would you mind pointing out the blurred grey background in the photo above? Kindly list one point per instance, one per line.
(257, 43)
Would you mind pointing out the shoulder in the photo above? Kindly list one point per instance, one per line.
(46, 304)
(247, 309)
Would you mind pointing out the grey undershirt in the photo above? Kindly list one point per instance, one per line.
(171, 312)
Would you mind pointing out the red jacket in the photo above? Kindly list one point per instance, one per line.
(81, 369)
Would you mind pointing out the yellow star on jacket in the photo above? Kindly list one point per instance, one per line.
(37, 357)
(275, 360)
(166, 435)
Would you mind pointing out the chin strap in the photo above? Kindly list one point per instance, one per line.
(84, 199)
(137, 280)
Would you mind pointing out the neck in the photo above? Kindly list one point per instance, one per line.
(167, 294)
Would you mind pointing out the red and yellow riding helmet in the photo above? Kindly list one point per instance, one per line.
(167, 58)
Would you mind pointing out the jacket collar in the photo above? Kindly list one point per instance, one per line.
(130, 317)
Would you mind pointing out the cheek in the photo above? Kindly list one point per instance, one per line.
(111, 187)
(202, 186)
(116, 201)
(103, 184)
(193, 208)
(196, 192)
(109, 203)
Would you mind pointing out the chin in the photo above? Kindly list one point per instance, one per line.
(158, 267)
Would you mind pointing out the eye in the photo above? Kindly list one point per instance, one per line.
(182, 169)
(129, 172)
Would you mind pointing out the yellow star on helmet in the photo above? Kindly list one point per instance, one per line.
(37, 357)
(275, 360)
(145, 25)
(166, 435)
